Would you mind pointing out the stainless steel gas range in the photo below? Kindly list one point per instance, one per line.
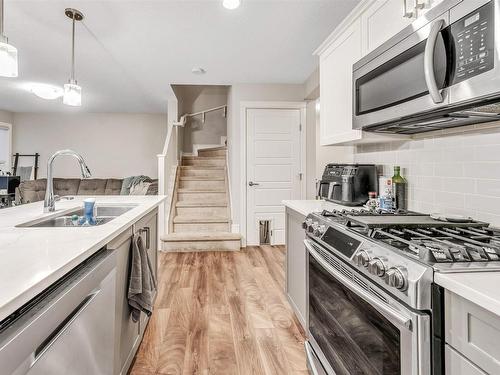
(372, 305)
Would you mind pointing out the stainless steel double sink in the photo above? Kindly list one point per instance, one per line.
(104, 214)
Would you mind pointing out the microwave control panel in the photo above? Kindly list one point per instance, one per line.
(473, 36)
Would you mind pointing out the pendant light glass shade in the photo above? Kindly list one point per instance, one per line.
(72, 94)
(8, 60)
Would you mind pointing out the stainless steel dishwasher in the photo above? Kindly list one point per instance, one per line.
(68, 328)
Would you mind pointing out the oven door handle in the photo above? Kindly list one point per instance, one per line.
(430, 77)
(402, 320)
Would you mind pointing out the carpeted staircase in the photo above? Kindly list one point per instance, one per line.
(200, 218)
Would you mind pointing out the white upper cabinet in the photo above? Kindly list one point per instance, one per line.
(336, 87)
(382, 20)
(369, 25)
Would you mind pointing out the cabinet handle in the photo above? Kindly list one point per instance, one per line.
(146, 230)
(407, 14)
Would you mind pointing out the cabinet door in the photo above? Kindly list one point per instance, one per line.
(336, 87)
(296, 265)
(381, 21)
(473, 331)
(456, 364)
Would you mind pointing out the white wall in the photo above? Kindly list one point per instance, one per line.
(6, 116)
(113, 145)
(196, 98)
(237, 94)
(457, 171)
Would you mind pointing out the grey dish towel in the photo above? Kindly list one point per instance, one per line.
(142, 283)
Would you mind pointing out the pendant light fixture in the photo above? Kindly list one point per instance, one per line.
(8, 53)
(73, 92)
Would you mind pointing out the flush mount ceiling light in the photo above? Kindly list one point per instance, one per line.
(8, 53)
(231, 4)
(46, 91)
(198, 70)
(73, 92)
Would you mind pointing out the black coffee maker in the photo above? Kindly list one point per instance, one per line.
(348, 184)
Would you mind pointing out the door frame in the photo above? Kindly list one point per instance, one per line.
(244, 107)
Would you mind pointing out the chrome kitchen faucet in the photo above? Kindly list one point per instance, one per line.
(49, 204)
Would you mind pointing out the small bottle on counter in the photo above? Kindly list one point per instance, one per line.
(372, 203)
(399, 187)
(385, 200)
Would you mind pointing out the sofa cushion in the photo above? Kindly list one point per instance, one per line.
(66, 186)
(92, 186)
(153, 188)
(113, 186)
(32, 191)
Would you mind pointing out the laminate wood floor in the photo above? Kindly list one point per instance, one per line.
(222, 313)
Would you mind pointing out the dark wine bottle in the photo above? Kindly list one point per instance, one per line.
(399, 187)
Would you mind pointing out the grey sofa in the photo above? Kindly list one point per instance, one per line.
(34, 190)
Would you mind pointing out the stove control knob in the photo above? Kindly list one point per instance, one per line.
(306, 223)
(397, 278)
(362, 258)
(312, 227)
(319, 230)
(376, 267)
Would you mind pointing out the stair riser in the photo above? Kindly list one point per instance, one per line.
(202, 185)
(211, 153)
(200, 227)
(202, 173)
(204, 163)
(202, 211)
(202, 197)
(186, 246)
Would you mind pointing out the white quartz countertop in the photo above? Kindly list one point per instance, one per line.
(31, 259)
(481, 288)
(305, 207)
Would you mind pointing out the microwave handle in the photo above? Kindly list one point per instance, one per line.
(430, 78)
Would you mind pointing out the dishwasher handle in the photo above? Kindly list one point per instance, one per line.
(52, 338)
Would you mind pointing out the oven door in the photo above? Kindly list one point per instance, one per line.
(356, 328)
(406, 78)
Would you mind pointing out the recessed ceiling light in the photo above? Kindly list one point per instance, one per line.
(46, 91)
(231, 4)
(198, 71)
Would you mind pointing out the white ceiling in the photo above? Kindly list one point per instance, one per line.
(129, 52)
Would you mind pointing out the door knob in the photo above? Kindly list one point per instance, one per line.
(251, 183)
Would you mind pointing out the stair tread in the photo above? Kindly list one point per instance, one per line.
(192, 157)
(199, 219)
(201, 236)
(184, 190)
(200, 204)
(201, 178)
(218, 148)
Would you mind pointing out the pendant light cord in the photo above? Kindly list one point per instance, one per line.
(72, 50)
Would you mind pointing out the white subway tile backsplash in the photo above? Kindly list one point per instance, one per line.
(453, 171)
(482, 203)
(487, 153)
(482, 170)
(447, 169)
(488, 187)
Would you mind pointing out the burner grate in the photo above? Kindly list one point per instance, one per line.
(444, 245)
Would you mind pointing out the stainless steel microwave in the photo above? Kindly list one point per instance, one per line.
(441, 71)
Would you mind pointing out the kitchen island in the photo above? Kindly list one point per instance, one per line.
(59, 279)
(34, 258)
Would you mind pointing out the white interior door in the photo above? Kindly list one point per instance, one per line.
(273, 169)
